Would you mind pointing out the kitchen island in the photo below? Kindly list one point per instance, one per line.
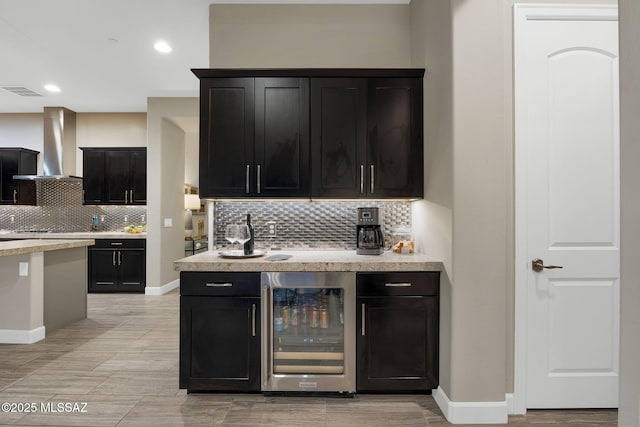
(43, 287)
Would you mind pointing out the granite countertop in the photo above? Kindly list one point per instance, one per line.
(312, 260)
(19, 247)
(73, 235)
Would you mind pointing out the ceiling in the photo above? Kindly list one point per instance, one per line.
(100, 52)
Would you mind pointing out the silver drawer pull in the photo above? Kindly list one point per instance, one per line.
(219, 285)
(398, 285)
(116, 244)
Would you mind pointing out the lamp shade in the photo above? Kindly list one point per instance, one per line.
(191, 201)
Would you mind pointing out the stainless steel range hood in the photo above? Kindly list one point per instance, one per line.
(59, 150)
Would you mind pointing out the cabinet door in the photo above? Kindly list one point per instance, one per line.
(281, 137)
(395, 153)
(103, 273)
(397, 346)
(131, 270)
(93, 171)
(338, 137)
(9, 161)
(220, 343)
(117, 168)
(138, 177)
(226, 137)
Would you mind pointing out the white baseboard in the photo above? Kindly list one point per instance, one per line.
(511, 404)
(18, 336)
(161, 290)
(471, 412)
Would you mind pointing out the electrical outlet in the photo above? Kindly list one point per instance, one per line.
(271, 227)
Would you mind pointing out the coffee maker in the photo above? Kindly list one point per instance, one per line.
(369, 232)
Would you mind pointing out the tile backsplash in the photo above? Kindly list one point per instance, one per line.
(60, 209)
(306, 224)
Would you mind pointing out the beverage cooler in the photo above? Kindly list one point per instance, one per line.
(308, 332)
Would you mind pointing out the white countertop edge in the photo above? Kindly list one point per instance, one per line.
(74, 235)
(314, 260)
(27, 246)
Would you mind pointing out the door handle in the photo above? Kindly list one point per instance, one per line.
(253, 320)
(362, 332)
(15, 196)
(246, 179)
(373, 179)
(361, 179)
(113, 258)
(119, 258)
(537, 265)
(130, 196)
(258, 179)
(126, 200)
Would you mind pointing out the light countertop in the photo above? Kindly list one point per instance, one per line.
(19, 247)
(73, 235)
(312, 260)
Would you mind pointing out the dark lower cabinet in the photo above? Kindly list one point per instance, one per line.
(117, 265)
(397, 332)
(220, 332)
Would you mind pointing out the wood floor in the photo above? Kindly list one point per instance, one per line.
(122, 362)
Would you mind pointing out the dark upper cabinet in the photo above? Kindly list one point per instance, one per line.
(395, 147)
(17, 161)
(338, 137)
(366, 137)
(115, 176)
(226, 136)
(254, 137)
(320, 133)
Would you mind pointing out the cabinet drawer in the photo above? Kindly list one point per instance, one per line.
(220, 284)
(120, 244)
(398, 283)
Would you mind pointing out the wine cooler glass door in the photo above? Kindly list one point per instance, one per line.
(309, 340)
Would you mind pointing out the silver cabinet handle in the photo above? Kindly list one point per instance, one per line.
(363, 319)
(253, 320)
(130, 196)
(116, 243)
(119, 258)
(246, 179)
(125, 197)
(361, 179)
(219, 285)
(15, 196)
(113, 258)
(398, 285)
(373, 179)
(258, 179)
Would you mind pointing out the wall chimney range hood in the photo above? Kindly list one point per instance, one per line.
(59, 150)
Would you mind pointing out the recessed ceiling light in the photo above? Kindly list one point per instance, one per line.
(162, 46)
(52, 88)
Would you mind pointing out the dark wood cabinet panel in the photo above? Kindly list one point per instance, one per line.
(398, 321)
(338, 137)
(254, 137)
(115, 176)
(17, 161)
(395, 147)
(282, 137)
(117, 266)
(226, 137)
(220, 332)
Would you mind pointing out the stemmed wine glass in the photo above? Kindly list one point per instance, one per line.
(237, 233)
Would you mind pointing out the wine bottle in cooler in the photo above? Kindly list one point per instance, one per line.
(248, 245)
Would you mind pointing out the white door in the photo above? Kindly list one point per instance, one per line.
(567, 137)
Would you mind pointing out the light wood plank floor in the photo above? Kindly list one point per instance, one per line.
(123, 363)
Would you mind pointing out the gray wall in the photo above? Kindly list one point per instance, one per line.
(629, 15)
(281, 36)
(165, 187)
